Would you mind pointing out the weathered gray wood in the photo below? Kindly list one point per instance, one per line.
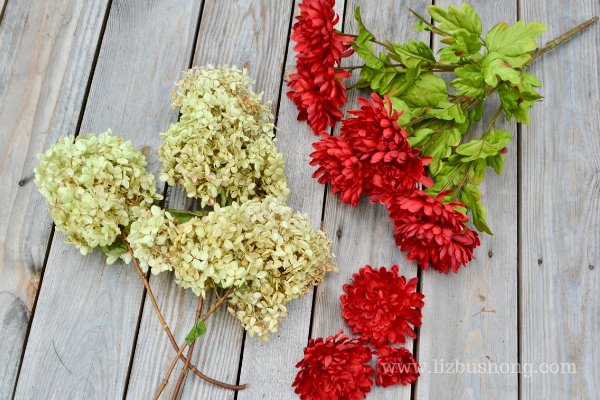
(271, 370)
(454, 326)
(363, 235)
(47, 50)
(252, 34)
(87, 311)
(560, 198)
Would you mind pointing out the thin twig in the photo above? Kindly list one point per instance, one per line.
(60, 359)
(168, 331)
(184, 345)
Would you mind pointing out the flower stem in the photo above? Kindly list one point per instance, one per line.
(553, 44)
(168, 331)
(190, 352)
(184, 345)
(433, 28)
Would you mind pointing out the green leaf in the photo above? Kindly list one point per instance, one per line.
(116, 248)
(494, 66)
(403, 108)
(455, 19)
(362, 45)
(426, 92)
(412, 53)
(469, 81)
(496, 162)
(420, 137)
(489, 146)
(419, 26)
(471, 196)
(477, 172)
(462, 44)
(184, 215)
(515, 39)
(440, 148)
(198, 330)
(448, 111)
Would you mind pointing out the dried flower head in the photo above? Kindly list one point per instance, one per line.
(223, 144)
(94, 185)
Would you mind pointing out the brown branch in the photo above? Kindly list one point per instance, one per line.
(190, 351)
(168, 331)
(185, 344)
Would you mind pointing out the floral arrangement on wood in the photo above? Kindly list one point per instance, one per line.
(246, 244)
(410, 131)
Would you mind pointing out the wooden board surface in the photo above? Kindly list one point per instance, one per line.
(87, 311)
(47, 50)
(454, 326)
(560, 202)
(256, 23)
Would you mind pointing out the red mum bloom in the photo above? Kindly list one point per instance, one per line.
(432, 232)
(339, 166)
(334, 369)
(380, 305)
(318, 96)
(396, 365)
(315, 37)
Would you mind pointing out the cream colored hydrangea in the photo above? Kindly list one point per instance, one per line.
(94, 185)
(223, 144)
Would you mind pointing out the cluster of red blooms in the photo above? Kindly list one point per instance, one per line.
(379, 306)
(372, 157)
(317, 88)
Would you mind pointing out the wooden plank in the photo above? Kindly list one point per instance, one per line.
(271, 371)
(87, 311)
(454, 326)
(253, 34)
(560, 198)
(47, 50)
(363, 235)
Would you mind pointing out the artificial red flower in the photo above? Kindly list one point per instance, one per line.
(339, 166)
(316, 40)
(335, 368)
(319, 95)
(381, 306)
(432, 232)
(396, 366)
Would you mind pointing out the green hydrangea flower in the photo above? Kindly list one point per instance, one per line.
(94, 185)
(223, 145)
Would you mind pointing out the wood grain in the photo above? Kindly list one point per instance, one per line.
(454, 326)
(560, 199)
(87, 311)
(271, 369)
(252, 34)
(47, 50)
(363, 235)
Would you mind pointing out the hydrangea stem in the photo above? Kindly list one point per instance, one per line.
(190, 352)
(168, 331)
(184, 345)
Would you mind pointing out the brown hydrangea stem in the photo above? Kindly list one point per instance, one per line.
(190, 352)
(184, 345)
(168, 331)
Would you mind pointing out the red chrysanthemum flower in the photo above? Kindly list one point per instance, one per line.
(381, 306)
(319, 95)
(334, 369)
(339, 166)
(396, 366)
(432, 232)
(317, 42)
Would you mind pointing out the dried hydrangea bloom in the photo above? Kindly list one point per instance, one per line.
(151, 239)
(94, 185)
(223, 144)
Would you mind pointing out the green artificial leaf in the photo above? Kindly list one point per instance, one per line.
(362, 45)
(469, 81)
(448, 111)
(448, 176)
(116, 248)
(513, 40)
(198, 330)
(489, 146)
(462, 45)
(184, 215)
(412, 53)
(426, 92)
(420, 137)
(419, 26)
(471, 196)
(494, 66)
(455, 19)
(403, 109)
(516, 100)
(496, 162)
(477, 112)
(439, 147)
(477, 172)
